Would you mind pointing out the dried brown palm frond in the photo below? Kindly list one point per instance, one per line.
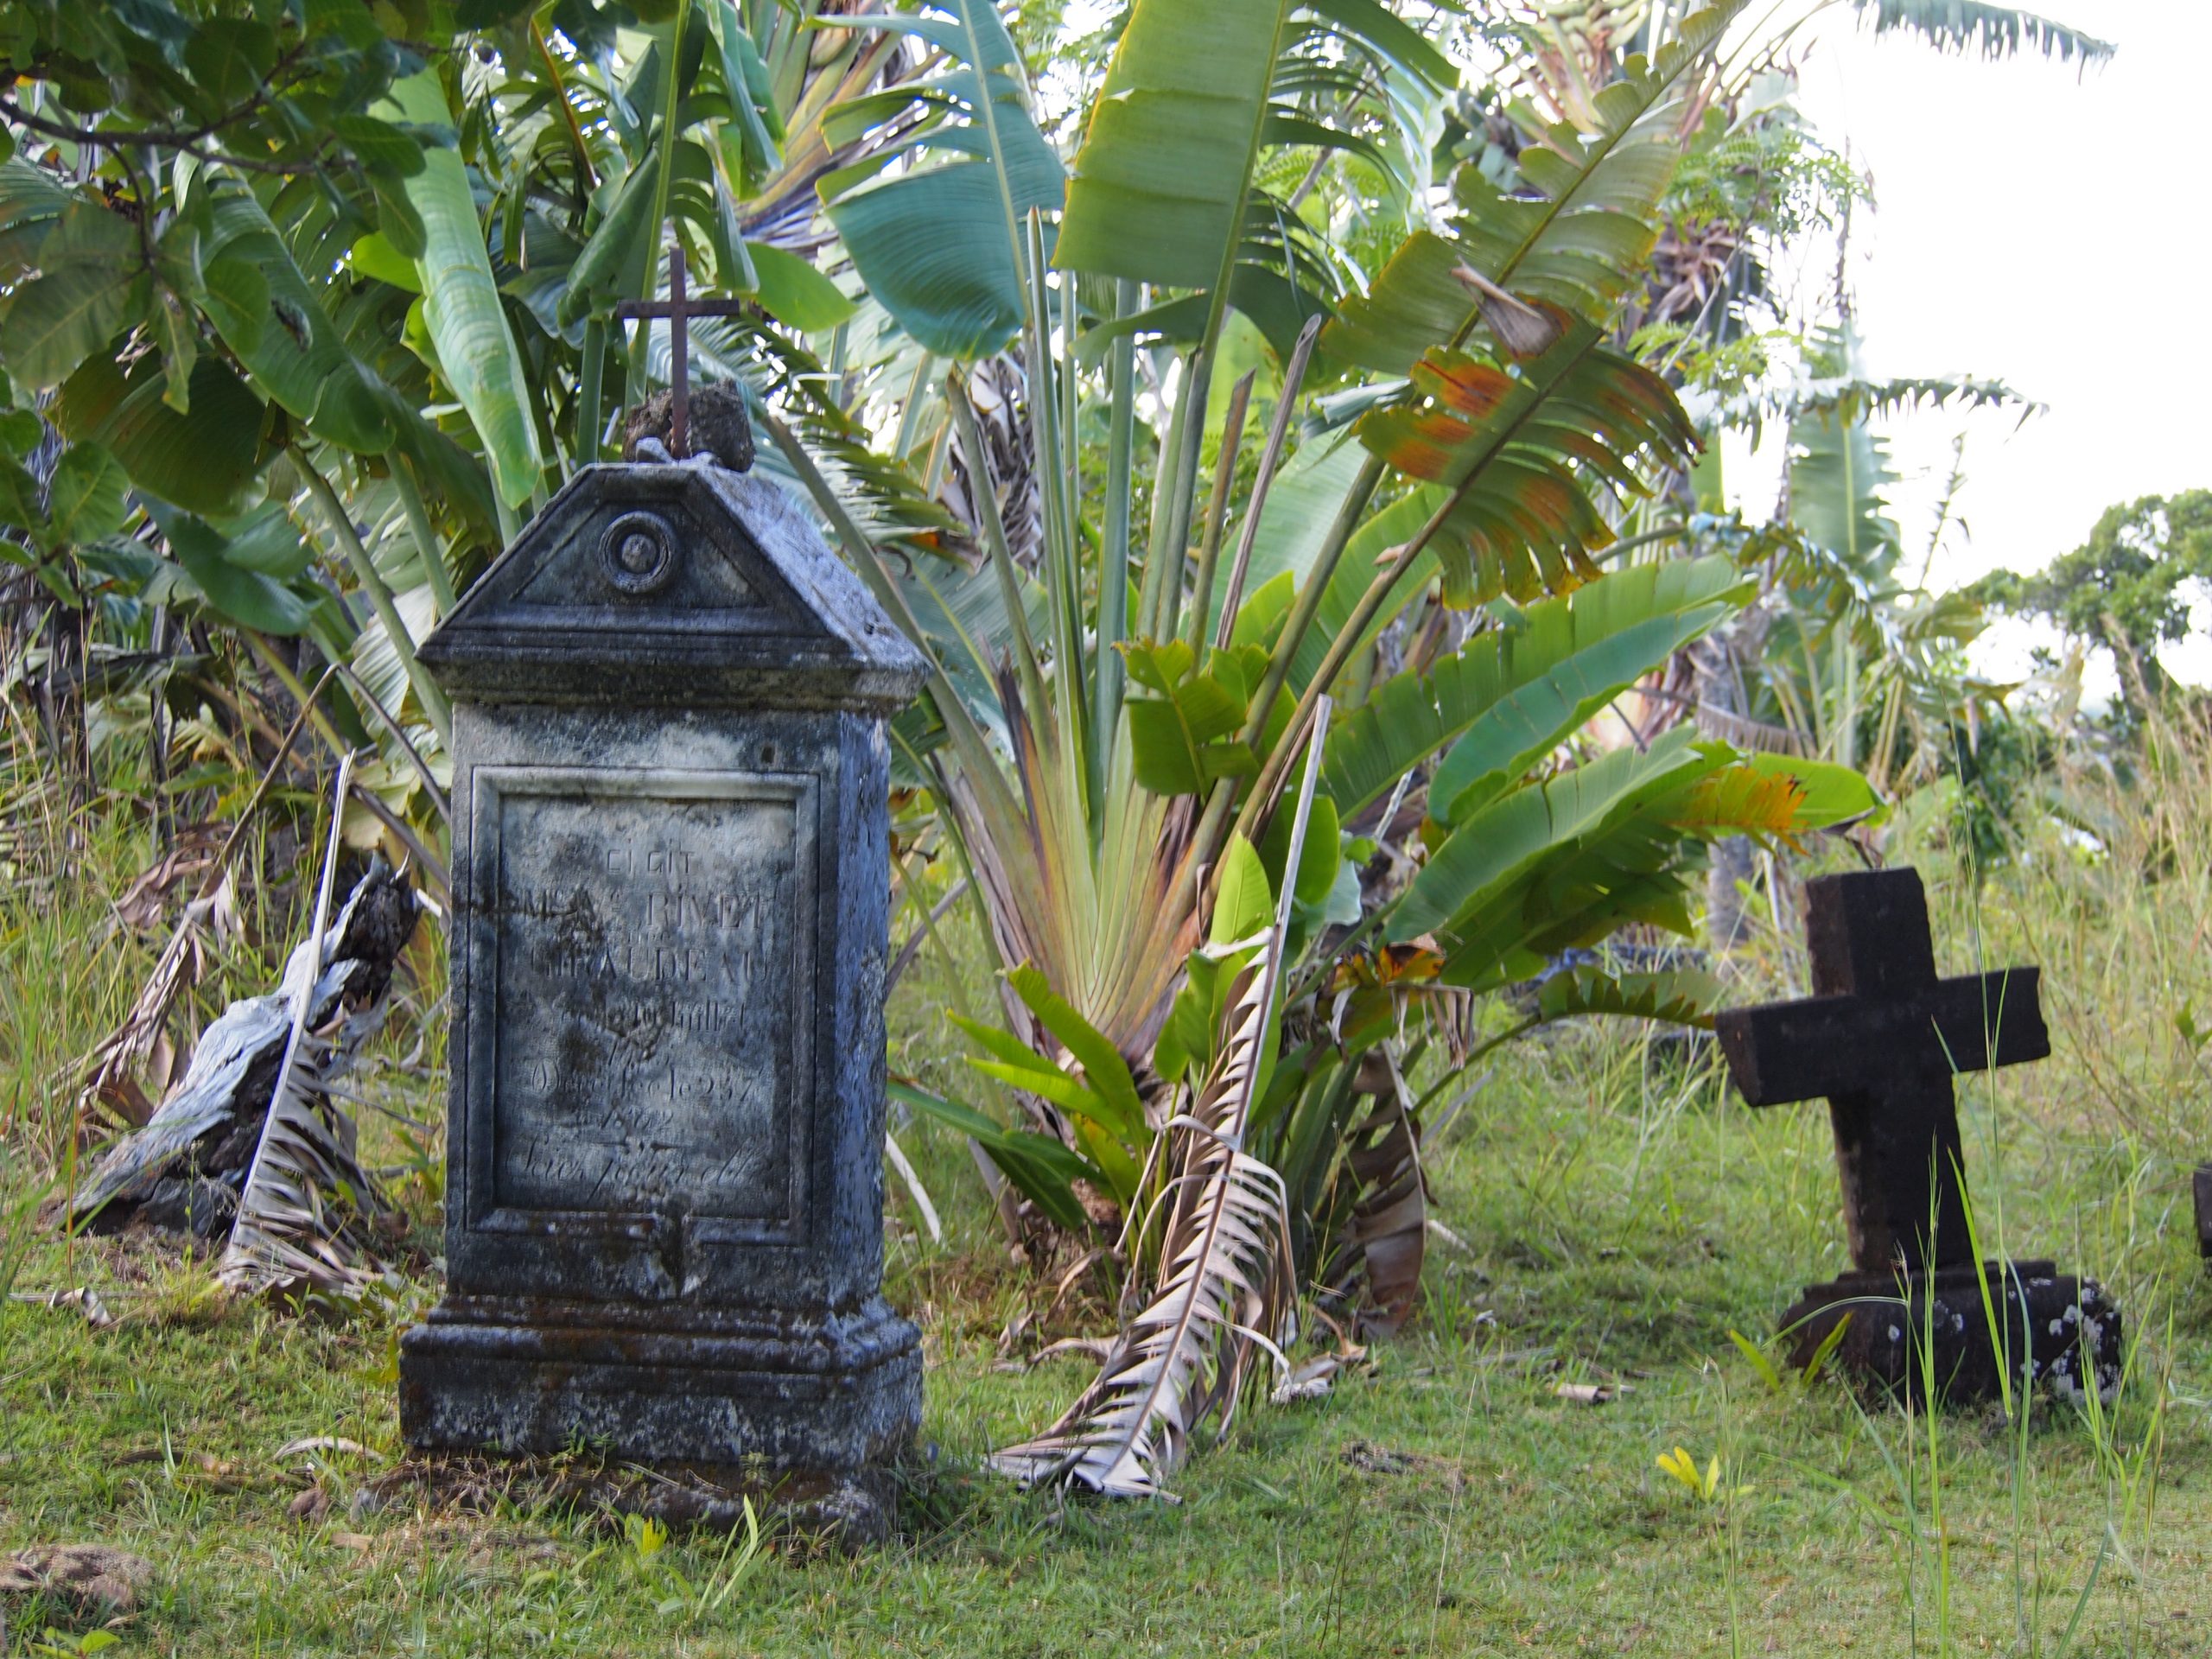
(1746, 733)
(998, 391)
(1690, 264)
(250, 1141)
(1226, 1291)
(308, 1214)
(192, 1158)
(1224, 1288)
(133, 1066)
(127, 1070)
(1390, 1219)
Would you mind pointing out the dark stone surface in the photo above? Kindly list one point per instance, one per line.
(1884, 1038)
(2202, 1183)
(680, 585)
(663, 1212)
(844, 1510)
(720, 429)
(2061, 1330)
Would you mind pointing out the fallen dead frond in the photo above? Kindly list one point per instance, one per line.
(1226, 1292)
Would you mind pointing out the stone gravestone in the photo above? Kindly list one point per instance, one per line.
(664, 1209)
(1883, 1037)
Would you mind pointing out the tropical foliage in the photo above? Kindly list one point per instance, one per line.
(1291, 442)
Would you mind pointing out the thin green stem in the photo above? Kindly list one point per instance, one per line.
(1270, 462)
(379, 594)
(1113, 552)
(590, 390)
(426, 537)
(1224, 474)
(1164, 485)
(664, 182)
(1183, 503)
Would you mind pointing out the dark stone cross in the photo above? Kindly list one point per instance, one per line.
(1883, 1037)
(677, 309)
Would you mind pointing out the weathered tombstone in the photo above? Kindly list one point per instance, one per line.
(663, 1209)
(1883, 1037)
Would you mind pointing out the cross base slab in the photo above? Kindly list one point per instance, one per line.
(812, 1398)
(2204, 1184)
(2064, 1326)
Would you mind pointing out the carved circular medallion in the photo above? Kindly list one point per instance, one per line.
(639, 552)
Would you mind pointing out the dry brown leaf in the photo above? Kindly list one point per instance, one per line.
(310, 1505)
(324, 1443)
(1309, 1382)
(89, 1577)
(1591, 1393)
(84, 1299)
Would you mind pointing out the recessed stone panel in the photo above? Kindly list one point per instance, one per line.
(645, 927)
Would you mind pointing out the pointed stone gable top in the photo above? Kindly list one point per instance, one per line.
(682, 583)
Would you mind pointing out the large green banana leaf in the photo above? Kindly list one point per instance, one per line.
(461, 305)
(1160, 184)
(203, 463)
(1513, 693)
(299, 358)
(1163, 189)
(90, 284)
(937, 243)
(1466, 876)
(1652, 796)
(1577, 235)
(1517, 449)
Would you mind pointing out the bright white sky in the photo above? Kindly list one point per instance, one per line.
(2047, 226)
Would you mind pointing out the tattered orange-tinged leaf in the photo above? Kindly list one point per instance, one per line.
(1411, 962)
(1473, 388)
(1742, 801)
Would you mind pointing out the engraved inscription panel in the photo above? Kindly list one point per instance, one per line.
(648, 946)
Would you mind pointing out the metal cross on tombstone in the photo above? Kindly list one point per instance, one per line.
(677, 309)
(1883, 1037)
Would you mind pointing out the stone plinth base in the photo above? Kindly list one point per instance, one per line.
(2064, 1327)
(778, 1395)
(847, 1511)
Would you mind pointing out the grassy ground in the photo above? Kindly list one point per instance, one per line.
(1618, 1220)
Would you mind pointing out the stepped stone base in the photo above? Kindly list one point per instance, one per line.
(2063, 1328)
(816, 1404)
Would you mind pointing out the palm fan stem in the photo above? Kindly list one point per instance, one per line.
(1225, 1286)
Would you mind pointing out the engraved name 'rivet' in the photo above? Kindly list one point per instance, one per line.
(639, 552)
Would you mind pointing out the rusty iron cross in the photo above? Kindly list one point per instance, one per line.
(678, 308)
(1883, 1037)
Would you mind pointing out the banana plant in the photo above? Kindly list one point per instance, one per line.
(1138, 711)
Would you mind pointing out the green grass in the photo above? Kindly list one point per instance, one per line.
(1620, 1220)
